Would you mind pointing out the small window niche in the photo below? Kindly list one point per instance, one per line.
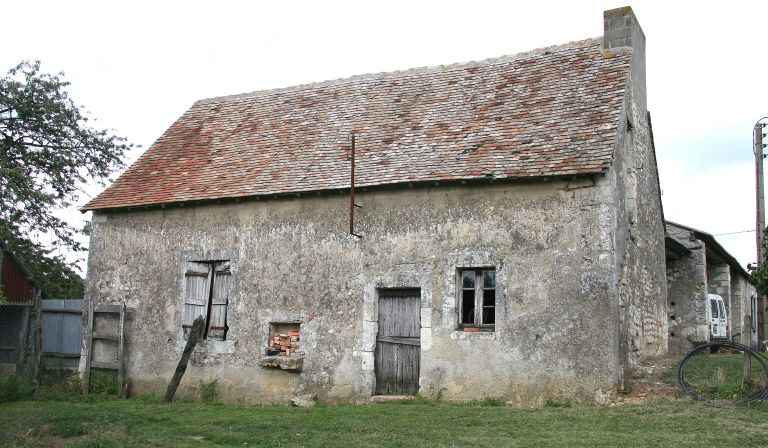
(477, 299)
(283, 349)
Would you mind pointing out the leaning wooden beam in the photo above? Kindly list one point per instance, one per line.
(194, 334)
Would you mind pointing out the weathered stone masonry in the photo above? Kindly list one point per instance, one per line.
(292, 261)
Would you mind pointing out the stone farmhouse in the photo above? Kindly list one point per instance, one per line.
(698, 265)
(509, 241)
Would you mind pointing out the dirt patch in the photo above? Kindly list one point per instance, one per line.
(653, 379)
(43, 436)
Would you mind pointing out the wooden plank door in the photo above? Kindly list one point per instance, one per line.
(398, 347)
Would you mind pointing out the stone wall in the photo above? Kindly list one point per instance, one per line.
(738, 302)
(550, 242)
(640, 249)
(687, 297)
(741, 306)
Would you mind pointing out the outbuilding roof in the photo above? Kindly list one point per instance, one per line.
(549, 112)
(714, 245)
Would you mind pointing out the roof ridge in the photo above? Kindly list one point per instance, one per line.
(414, 71)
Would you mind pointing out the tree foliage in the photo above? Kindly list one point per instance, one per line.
(760, 272)
(51, 272)
(48, 151)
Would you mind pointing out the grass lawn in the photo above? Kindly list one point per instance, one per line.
(146, 423)
(721, 376)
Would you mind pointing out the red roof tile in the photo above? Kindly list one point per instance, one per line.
(549, 112)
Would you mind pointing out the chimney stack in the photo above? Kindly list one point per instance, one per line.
(621, 29)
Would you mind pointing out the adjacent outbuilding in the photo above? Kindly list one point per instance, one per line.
(698, 267)
(19, 314)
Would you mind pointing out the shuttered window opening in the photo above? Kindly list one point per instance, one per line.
(477, 298)
(207, 288)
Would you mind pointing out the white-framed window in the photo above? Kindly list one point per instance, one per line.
(477, 298)
(207, 289)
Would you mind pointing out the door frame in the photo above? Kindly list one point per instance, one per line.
(405, 276)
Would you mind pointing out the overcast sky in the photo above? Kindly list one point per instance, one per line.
(137, 66)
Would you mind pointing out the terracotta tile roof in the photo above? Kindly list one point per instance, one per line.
(548, 112)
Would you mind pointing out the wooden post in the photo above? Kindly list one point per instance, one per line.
(87, 349)
(195, 333)
(122, 384)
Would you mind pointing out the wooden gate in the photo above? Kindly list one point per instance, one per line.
(397, 345)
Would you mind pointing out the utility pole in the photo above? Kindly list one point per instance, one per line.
(757, 139)
(759, 186)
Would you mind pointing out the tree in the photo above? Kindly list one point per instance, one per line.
(47, 152)
(760, 272)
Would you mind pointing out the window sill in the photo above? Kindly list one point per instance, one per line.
(468, 329)
(282, 362)
(460, 334)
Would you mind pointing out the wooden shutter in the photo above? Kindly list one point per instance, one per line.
(196, 293)
(217, 327)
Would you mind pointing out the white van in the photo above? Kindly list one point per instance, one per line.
(717, 317)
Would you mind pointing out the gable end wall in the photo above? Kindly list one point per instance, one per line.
(640, 253)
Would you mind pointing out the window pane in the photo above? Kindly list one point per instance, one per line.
(713, 304)
(468, 307)
(489, 297)
(489, 315)
(489, 279)
(468, 279)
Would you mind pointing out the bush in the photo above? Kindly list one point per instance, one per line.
(68, 428)
(13, 388)
(58, 384)
(558, 404)
(209, 391)
(103, 382)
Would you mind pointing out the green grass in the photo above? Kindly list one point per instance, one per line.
(719, 376)
(148, 423)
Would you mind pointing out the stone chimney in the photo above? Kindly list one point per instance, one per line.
(621, 29)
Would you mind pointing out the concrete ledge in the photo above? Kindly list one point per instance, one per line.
(294, 363)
